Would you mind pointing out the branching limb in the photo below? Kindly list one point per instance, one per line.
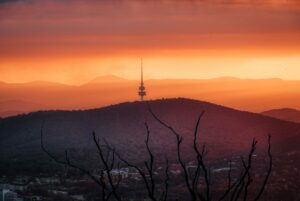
(240, 185)
(268, 172)
(108, 167)
(150, 165)
(237, 190)
(99, 181)
(164, 196)
(230, 185)
(149, 183)
(193, 185)
(249, 181)
(67, 162)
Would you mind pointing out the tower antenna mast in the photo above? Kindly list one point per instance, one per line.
(142, 89)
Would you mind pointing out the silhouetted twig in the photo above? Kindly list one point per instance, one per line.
(150, 183)
(262, 188)
(106, 192)
(108, 166)
(166, 182)
(191, 183)
(234, 190)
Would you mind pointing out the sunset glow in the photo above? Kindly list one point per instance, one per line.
(73, 42)
(160, 100)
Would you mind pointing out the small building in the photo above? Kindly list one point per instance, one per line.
(33, 198)
(8, 195)
(175, 169)
(13, 187)
(78, 198)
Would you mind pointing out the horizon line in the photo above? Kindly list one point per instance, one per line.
(147, 79)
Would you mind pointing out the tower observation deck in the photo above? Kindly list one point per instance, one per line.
(142, 89)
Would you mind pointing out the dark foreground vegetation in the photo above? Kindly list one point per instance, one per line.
(196, 175)
(151, 161)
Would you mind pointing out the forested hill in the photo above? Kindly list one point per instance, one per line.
(225, 131)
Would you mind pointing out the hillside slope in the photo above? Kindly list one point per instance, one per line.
(243, 94)
(226, 132)
(286, 114)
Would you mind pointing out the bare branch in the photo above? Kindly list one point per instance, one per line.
(268, 172)
(235, 188)
(240, 185)
(151, 162)
(99, 181)
(67, 162)
(229, 186)
(178, 136)
(108, 168)
(199, 156)
(192, 187)
(166, 182)
(150, 185)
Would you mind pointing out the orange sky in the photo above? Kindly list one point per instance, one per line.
(74, 41)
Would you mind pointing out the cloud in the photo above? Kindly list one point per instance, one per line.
(102, 27)
(58, 37)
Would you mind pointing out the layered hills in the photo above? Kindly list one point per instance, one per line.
(242, 94)
(287, 114)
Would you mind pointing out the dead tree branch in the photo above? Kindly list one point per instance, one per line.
(191, 183)
(106, 191)
(166, 182)
(150, 183)
(242, 184)
(234, 190)
(262, 188)
(108, 167)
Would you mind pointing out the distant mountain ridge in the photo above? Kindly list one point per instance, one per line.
(106, 79)
(243, 94)
(226, 132)
(114, 78)
(287, 114)
(15, 107)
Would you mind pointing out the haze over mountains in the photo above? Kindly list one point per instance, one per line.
(243, 94)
